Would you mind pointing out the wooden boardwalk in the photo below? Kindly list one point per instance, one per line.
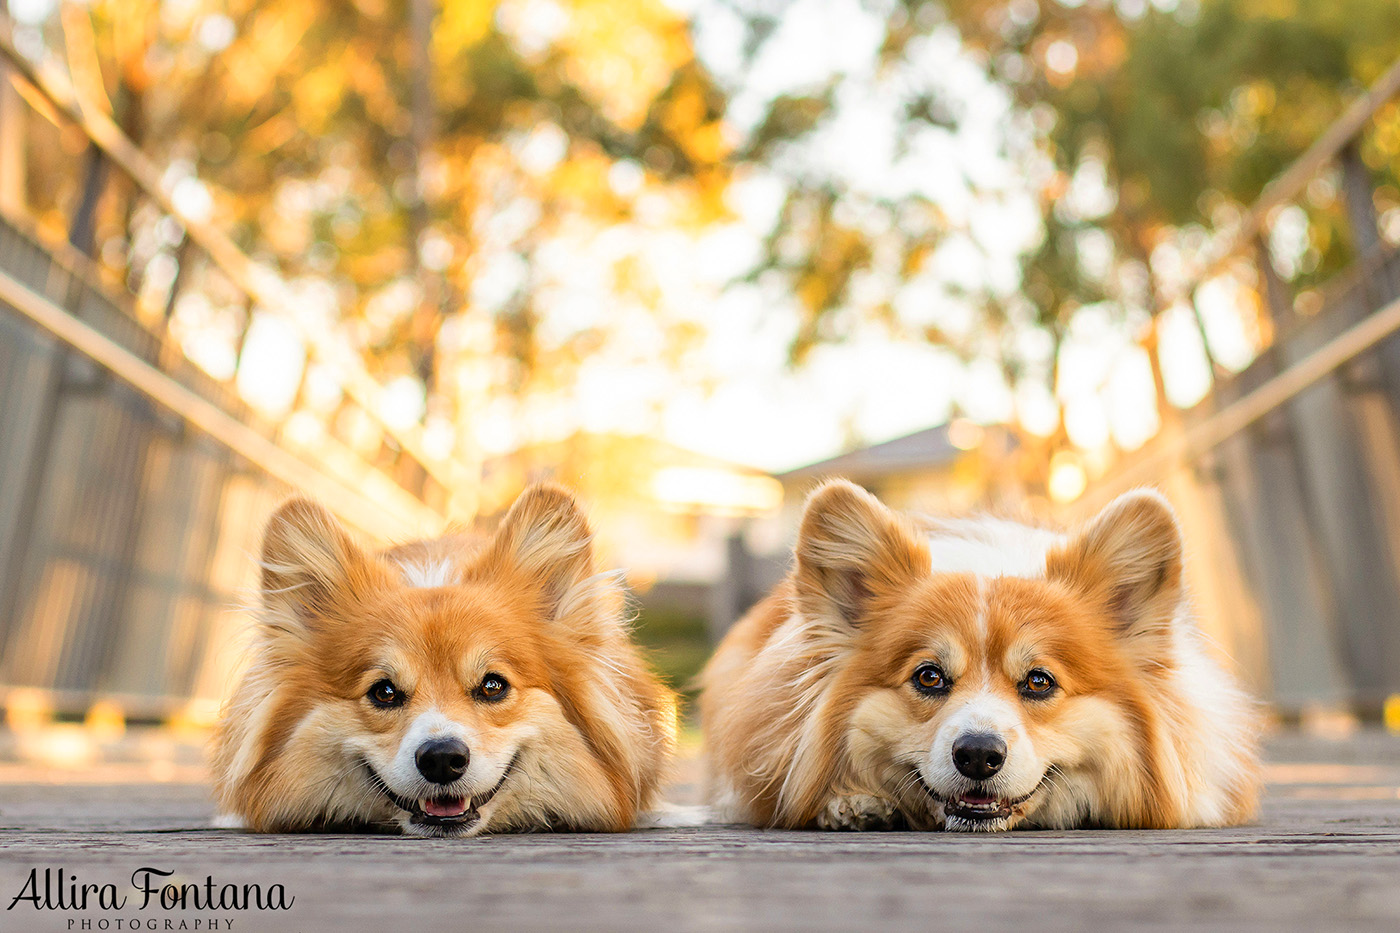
(1324, 855)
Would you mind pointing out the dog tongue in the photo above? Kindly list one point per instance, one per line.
(974, 799)
(445, 806)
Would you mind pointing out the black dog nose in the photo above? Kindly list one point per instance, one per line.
(442, 761)
(979, 755)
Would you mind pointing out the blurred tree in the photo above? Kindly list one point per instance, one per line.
(456, 171)
(419, 157)
(1148, 121)
(1187, 108)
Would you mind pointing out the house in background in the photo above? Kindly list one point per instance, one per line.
(949, 469)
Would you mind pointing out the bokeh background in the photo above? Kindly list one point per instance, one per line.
(688, 257)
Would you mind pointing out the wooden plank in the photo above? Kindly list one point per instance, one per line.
(1321, 856)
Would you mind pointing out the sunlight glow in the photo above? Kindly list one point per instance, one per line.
(715, 490)
(1184, 367)
(402, 402)
(270, 370)
(1229, 309)
(1068, 479)
(964, 434)
(1132, 400)
(1086, 422)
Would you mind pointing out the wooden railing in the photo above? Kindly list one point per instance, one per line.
(437, 483)
(1338, 144)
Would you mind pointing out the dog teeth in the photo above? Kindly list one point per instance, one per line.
(445, 807)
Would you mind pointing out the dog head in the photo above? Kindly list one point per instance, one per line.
(451, 691)
(978, 700)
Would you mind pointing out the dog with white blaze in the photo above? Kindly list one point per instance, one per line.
(442, 688)
(977, 675)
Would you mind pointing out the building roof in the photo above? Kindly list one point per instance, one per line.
(920, 450)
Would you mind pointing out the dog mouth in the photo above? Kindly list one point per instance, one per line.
(444, 813)
(976, 807)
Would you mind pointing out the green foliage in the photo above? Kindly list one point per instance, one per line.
(678, 644)
(1193, 108)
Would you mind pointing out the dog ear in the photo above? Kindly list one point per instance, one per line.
(852, 549)
(306, 558)
(1129, 558)
(545, 537)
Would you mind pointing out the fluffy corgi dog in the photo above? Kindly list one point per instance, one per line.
(446, 687)
(977, 676)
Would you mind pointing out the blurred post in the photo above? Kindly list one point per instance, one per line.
(424, 338)
(12, 137)
(1358, 188)
(731, 595)
(1276, 297)
(82, 232)
(421, 111)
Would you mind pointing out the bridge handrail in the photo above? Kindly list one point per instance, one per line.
(406, 517)
(263, 287)
(1245, 411)
(1174, 446)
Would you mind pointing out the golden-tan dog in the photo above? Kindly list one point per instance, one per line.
(977, 675)
(446, 687)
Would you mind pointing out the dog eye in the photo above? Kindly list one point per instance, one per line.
(492, 688)
(929, 679)
(385, 695)
(1038, 683)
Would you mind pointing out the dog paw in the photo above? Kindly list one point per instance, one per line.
(858, 812)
